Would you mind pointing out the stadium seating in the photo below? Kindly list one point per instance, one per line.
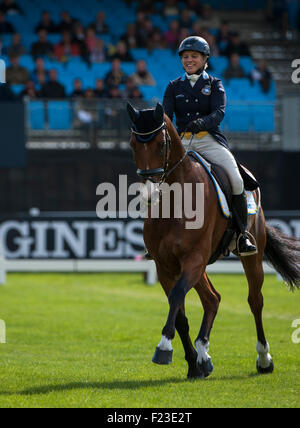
(59, 115)
(36, 115)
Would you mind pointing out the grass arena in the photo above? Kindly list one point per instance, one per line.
(86, 340)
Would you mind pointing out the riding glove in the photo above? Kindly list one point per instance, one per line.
(196, 126)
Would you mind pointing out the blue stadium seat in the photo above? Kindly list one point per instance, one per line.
(17, 89)
(238, 118)
(36, 115)
(263, 118)
(59, 115)
(150, 92)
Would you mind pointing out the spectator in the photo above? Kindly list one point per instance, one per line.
(171, 8)
(66, 48)
(5, 27)
(100, 90)
(77, 89)
(66, 22)
(234, 69)
(53, 89)
(114, 92)
(39, 75)
(186, 20)
(172, 34)
(90, 39)
(88, 116)
(46, 23)
(79, 39)
(30, 91)
(42, 47)
(130, 37)
(144, 29)
(235, 45)
(10, 7)
(99, 53)
(16, 48)
(15, 73)
(262, 74)
(211, 40)
(223, 36)
(122, 53)
(195, 7)
(142, 76)
(100, 26)
(209, 19)
(136, 94)
(147, 7)
(115, 76)
(156, 41)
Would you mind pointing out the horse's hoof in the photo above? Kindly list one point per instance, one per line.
(201, 371)
(162, 357)
(265, 370)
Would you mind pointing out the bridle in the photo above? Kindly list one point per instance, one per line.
(163, 172)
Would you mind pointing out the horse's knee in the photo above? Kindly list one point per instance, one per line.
(177, 294)
(181, 323)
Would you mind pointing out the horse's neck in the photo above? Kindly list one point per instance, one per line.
(177, 148)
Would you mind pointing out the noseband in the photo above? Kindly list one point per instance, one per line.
(163, 172)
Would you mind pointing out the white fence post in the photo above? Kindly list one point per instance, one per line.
(2, 266)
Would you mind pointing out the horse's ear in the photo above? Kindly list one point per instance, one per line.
(159, 113)
(133, 113)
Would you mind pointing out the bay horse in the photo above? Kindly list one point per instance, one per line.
(181, 255)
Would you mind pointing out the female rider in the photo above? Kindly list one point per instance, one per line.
(198, 102)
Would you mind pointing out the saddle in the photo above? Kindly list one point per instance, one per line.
(222, 185)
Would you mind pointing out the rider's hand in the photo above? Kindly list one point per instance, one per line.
(195, 126)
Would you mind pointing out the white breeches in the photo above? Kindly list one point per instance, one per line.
(214, 152)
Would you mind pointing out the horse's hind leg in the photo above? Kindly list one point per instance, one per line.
(210, 299)
(255, 275)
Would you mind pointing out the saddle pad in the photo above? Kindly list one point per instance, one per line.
(252, 205)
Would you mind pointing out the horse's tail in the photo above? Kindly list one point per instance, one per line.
(283, 253)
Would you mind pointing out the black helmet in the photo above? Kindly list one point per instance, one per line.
(194, 43)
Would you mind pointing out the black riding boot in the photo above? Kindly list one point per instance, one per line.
(240, 212)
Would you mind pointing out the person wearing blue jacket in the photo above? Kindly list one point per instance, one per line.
(198, 102)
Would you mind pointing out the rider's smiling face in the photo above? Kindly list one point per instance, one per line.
(192, 61)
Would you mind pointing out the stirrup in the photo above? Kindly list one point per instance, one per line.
(247, 253)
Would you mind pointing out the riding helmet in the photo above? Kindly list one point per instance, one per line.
(194, 43)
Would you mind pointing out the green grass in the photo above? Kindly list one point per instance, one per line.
(88, 340)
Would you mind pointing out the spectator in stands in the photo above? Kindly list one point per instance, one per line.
(147, 6)
(66, 48)
(171, 8)
(5, 27)
(136, 94)
(42, 47)
(39, 75)
(156, 41)
(130, 37)
(210, 20)
(15, 73)
(77, 89)
(52, 88)
(235, 45)
(142, 76)
(90, 40)
(262, 74)
(211, 40)
(99, 52)
(114, 92)
(122, 53)
(195, 7)
(172, 34)
(234, 69)
(116, 75)
(79, 39)
(46, 23)
(100, 26)
(66, 22)
(100, 90)
(30, 91)
(16, 48)
(223, 36)
(88, 115)
(10, 7)
(130, 89)
(144, 29)
(186, 20)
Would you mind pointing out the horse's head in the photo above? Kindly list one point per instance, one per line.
(150, 141)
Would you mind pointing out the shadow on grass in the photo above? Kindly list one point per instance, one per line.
(119, 384)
